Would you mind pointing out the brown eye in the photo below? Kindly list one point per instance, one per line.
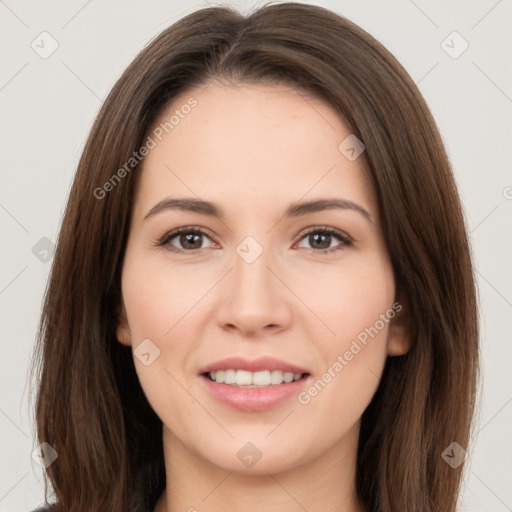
(184, 240)
(321, 239)
(190, 240)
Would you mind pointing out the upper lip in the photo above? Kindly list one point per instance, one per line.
(254, 365)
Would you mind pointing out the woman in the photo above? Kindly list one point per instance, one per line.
(197, 349)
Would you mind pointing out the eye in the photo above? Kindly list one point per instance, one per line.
(320, 239)
(190, 239)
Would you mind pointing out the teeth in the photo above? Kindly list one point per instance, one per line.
(243, 378)
(230, 377)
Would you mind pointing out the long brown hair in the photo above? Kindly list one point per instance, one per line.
(90, 407)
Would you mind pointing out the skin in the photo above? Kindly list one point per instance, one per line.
(253, 149)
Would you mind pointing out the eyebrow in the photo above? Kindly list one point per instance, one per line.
(295, 209)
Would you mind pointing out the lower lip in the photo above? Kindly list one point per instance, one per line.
(254, 399)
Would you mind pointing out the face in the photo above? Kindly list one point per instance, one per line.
(252, 275)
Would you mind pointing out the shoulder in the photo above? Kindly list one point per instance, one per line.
(44, 508)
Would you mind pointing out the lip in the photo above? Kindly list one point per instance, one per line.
(255, 365)
(253, 399)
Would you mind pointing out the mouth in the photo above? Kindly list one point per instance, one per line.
(253, 391)
(253, 380)
(253, 384)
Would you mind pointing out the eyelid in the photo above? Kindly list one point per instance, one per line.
(167, 237)
(334, 231)
(346, 240)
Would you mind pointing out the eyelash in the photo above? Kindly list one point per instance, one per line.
(345, 240)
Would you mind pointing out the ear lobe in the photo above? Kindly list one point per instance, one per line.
(122, 330)
(399, 335)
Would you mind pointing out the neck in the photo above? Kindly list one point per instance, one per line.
(325, 484)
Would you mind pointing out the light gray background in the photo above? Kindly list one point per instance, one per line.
(47, 108)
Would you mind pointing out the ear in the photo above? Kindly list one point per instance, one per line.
(122, 330)
(399, 335)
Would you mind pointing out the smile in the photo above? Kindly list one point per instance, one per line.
(244, 378)
(253, 397)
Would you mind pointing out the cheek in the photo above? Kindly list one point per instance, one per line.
(348, 299)
(157, 302)
(157, 298)
(355, 308)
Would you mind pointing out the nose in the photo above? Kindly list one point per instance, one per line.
(254, 301)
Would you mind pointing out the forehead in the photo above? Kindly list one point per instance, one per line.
(265, 143)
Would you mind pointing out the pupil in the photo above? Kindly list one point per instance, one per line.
(317, 235)
(189, 239)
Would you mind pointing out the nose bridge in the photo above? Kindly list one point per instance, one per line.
(251, 275)
(254, 299)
